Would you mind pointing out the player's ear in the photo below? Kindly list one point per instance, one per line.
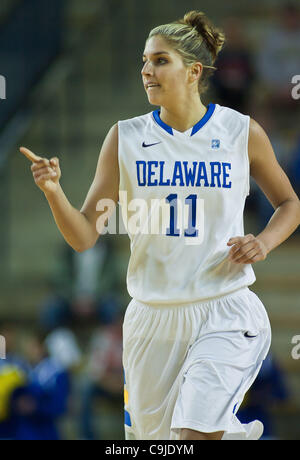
(195, 71)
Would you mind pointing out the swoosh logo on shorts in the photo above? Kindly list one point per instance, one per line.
(150, 145)
(249, 336)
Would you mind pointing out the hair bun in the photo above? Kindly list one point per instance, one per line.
(213, 37)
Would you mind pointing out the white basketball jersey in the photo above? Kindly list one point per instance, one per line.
(182, 197)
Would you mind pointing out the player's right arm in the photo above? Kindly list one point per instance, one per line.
(79, 227)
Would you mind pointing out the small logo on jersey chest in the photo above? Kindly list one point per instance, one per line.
(150, 145)
(215, 143)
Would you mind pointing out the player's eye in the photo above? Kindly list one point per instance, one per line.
(158, 61)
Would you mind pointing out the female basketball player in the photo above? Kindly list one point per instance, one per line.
(195, 336)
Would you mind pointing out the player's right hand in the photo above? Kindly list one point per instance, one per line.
(46, 173)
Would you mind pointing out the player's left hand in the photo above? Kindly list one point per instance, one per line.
(246, 249)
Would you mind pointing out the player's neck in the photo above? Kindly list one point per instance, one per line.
(183, 116)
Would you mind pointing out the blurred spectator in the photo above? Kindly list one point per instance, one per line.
(62, 346)
(39, 405)
(55, 311)
(13, 376)
(104, 379)
(235, 75)
(83, 309)
(268, 390)
(87, 310)
(10, 331)
(12, 379)
(88, 268)
(279, 58)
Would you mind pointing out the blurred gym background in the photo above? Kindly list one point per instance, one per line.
(69, 70)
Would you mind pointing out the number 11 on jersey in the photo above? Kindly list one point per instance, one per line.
(190, 214)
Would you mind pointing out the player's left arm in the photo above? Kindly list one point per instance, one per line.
(272, 180)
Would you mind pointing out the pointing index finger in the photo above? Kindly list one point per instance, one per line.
(30, 155)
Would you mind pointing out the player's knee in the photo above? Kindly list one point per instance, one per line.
(187, 434)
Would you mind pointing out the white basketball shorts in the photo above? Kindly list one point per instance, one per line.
(189, 366)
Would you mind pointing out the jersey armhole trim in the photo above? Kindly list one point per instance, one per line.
(247, 157)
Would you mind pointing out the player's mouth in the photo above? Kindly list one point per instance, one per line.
(150, 86)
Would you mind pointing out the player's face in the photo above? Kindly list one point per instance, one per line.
(164, 74)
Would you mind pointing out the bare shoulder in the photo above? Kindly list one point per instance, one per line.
(259, 143)
(109, 148)
(107, 172)
(108, 164)
(113, 133)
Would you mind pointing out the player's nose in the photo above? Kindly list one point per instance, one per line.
(147, 69)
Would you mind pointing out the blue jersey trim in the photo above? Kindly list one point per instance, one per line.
(210, 110)
(161, 123)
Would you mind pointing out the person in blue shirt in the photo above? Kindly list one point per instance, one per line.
(38, 406)
(13, 376)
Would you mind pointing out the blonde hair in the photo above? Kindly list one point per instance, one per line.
(196, 39)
